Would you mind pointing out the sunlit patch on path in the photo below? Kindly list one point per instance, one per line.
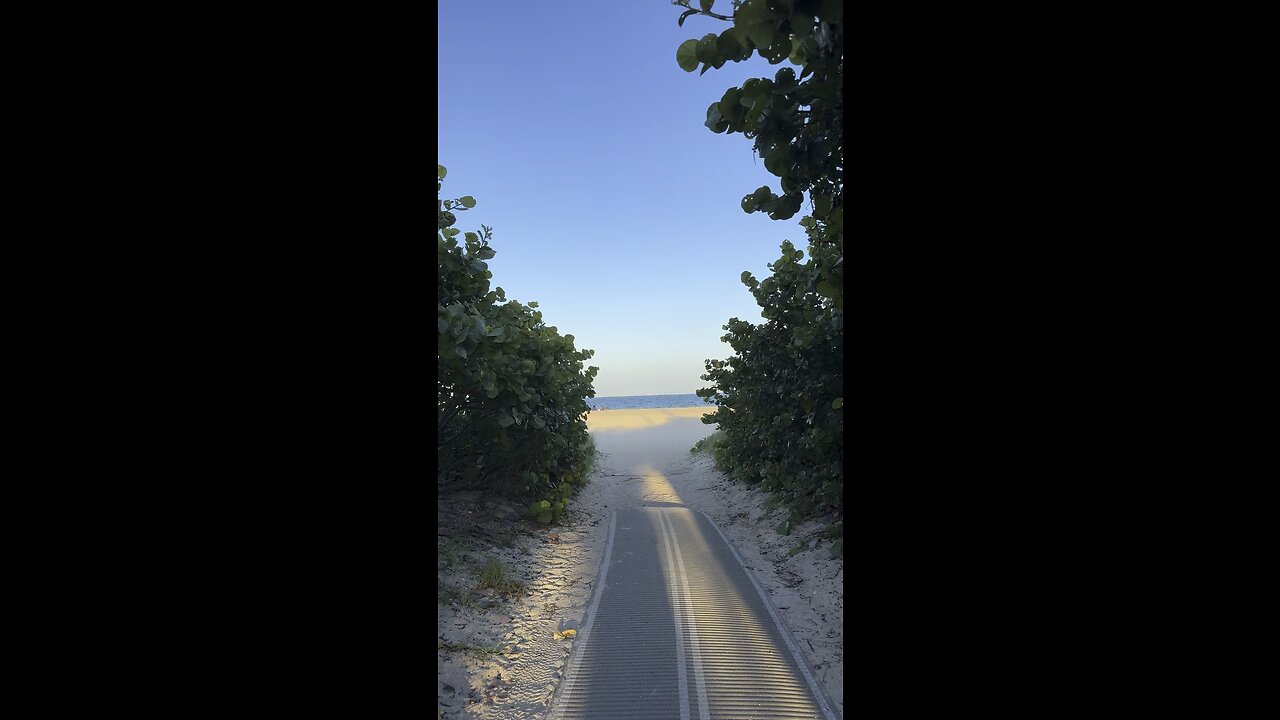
(607, 420)
(656, 487)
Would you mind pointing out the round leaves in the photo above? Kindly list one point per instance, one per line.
(762, 34)
(759, 200)
(686, 56)
(715, 121)
(705, 51)
(797, 52)
(731, 47)
(778, 161)
(778, 50)
(712, 50)
(821, 205)
(787, 206)
(730, 107)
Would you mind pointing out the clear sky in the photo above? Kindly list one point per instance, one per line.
(611, 204)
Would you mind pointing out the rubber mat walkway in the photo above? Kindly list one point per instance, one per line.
(678, 628)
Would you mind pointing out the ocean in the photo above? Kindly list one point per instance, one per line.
(632, 402)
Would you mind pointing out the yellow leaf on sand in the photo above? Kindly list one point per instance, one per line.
(569, 633)
(566, 634)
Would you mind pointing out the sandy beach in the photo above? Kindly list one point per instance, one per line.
(500, 657)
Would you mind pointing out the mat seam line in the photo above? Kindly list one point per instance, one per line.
(704, 712)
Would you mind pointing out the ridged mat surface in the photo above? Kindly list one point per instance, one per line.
(677, 628)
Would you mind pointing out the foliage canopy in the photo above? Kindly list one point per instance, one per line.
(511, 404)
(780, 398)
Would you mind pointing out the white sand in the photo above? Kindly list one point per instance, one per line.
(644, 458)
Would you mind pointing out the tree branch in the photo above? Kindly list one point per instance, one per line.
(685, 4)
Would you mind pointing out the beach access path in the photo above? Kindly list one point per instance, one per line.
(659, 546)
(678, 626)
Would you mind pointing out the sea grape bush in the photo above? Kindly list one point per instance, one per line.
(795, 122)
(780, 397)
(510, 413)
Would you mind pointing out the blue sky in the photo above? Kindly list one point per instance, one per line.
(611, 204)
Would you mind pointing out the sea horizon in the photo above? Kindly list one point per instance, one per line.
(635, 402)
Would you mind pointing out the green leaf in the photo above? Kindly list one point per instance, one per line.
(787, 206)
(748, 12)
(777, 160)
(837, 548)
(705, 50)
(729, 107)
(686, 56)
(545, 517)
(762, 34)
(706, 4)
(796, 58)
(443, 325)
(778, 50)
(440, 172)
(821, 206)
(467, 201)
(837, 403)
(461, 351)
(505, 421)
(714, 119)
(728, 46)
(545, 505)
(784, 527)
